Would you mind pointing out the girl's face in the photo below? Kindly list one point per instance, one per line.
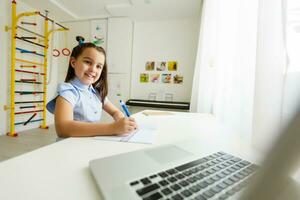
(88, 66)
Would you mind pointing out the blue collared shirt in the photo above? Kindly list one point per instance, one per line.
(85, 100)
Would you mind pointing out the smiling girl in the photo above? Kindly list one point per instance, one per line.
(77, 108)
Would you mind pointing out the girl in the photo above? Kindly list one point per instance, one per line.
(78, 106)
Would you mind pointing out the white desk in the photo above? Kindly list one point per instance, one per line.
(60, 170)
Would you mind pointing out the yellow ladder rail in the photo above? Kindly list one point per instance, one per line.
(46, 36)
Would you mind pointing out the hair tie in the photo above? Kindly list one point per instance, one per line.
(80, 40)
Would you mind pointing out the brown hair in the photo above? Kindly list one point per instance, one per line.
(101, 84)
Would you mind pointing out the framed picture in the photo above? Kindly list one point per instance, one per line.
(144, 78)
(154, 78)
(150, 66)
(161, 66)
(178, 79)
(172, 66)
(166, 78)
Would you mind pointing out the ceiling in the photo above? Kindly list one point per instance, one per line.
(70, 10)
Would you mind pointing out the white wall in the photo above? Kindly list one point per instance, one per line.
(168, 40)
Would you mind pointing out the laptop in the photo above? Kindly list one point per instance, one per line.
(184, 170)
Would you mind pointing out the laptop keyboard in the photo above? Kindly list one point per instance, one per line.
(217, 176)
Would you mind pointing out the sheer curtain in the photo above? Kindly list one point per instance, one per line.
(204, 76)
(241, 80)
(292, 83)
(270, 73)
(225, 65)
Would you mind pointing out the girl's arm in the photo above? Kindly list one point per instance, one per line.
(67, 127)
(113, 111)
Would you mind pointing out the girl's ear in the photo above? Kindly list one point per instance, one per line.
(72, 62)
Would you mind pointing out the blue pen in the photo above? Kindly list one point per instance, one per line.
(125, 109)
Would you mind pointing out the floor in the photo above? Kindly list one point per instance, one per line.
(26, 141)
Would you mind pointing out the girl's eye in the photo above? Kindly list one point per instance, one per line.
(99, 66)
(87, 62)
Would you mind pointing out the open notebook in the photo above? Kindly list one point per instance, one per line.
(145, 134)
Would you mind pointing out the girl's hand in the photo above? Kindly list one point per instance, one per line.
(118, 115)
(124, 125)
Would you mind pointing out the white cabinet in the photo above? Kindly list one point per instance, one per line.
(119, 50)
(119, 47)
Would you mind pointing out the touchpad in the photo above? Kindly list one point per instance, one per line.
(167, 154)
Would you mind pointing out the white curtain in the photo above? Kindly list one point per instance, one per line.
(225, 63)
(204, 76)
(241, 80)
(292, 82)
(270, 73)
